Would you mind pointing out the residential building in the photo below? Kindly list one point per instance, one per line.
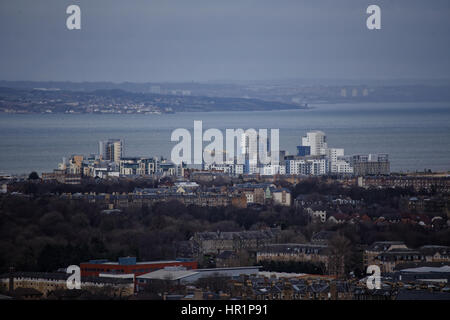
(389, 255)
(306, 252)
(341, 166)
(303, 151)
(111, 150)
(281, 197)
(379, 247)
(309, 165)
(439, 183)
(62, 177)
(317, 215)
(46, 283)
(317, 142)
(217, 242)
(371, 164)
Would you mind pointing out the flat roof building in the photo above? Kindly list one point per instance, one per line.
(129, 265)
(181, 275)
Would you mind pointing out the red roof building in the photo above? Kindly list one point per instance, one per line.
(128, 265)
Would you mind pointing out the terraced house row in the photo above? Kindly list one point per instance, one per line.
(237, 196)
(392, 255)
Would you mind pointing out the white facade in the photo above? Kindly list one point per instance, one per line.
(101, 172)
(249, 196)
(317, 215)
(252, 166)
(281, 197)
(337, 164)
(318, 166)
(187, 184)
(238, 169)
(334, 153)
(307, 166)
(270, 169)
(341, 166)
(249, 145)
(111, 150)
(295, 166)
(317, 141)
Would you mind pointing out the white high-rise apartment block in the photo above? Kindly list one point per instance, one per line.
(252, 167)
(111, 150)
(334, 153)
(250, 151)
(249, 146)
(272, 169)
(341, 166)
(337, 163)
(296, 166)
(314, 167)
(318, 167)
(317, 141)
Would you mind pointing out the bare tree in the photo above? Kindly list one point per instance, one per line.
(339, 252)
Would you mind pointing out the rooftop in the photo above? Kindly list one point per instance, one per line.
(428, 269)
(130, 261)
(165, 274)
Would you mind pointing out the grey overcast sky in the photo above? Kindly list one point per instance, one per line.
(200, 40)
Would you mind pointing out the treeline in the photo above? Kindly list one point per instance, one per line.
(42, 232)
(381, 197)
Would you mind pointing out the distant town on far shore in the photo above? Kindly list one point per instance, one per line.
(158, 98)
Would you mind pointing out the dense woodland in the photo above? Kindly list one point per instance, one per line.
(40, 232)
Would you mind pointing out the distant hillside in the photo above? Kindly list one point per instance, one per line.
(52, 100)
(281, 93)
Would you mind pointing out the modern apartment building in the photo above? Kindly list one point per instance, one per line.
(314, 144)
(309, 165)
(313, 253)
(370, 164)
(317, 141)
(111, 150)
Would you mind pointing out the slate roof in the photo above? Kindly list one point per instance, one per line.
(238, 235)
(323, 236)
(383, 245)
(62, 276)
(422, 295)
(431, 250)
(294, 248)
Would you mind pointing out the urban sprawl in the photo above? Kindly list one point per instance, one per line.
(306, 228)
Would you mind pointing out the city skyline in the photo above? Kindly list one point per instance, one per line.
(240, 151)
